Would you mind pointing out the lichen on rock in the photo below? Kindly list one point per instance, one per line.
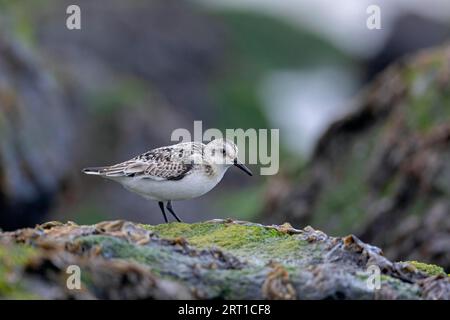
(218, 259)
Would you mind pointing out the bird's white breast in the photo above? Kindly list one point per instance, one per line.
(191, 186)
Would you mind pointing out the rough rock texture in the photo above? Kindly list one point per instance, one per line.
(222, 259)
(383, 171)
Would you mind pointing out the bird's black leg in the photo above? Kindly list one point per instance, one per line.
(161, 206)
(169, 207)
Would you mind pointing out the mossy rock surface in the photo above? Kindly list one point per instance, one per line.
(430, 269)
(218, 259)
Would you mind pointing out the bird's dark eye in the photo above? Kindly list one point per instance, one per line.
(224, 152)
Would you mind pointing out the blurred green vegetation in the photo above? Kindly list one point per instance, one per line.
(429, 101)
(125, 94)
(259, 45)
(85, 213)
(244, 204)
(20, 14)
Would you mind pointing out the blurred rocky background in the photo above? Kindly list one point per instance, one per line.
(363, 114)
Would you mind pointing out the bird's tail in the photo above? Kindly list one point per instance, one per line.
(94, 170)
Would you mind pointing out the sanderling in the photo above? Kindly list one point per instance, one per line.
(178, 172)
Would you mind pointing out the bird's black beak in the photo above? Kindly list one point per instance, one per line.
(241, 166)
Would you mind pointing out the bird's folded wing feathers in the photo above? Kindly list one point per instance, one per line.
(158, 164)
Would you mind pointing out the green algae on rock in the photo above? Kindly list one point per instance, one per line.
(218, 259)
(429, 269)
(13, 258)
(246, 241)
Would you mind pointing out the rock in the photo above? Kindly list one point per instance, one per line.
(36, 135)
(218, 259)
(383, 171)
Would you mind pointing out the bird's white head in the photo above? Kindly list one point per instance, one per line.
(224, 153)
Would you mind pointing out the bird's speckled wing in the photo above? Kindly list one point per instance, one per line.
(165, 163)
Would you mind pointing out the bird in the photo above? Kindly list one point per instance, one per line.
(177, 172)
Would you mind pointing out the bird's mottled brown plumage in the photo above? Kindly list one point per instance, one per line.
(165, 163)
